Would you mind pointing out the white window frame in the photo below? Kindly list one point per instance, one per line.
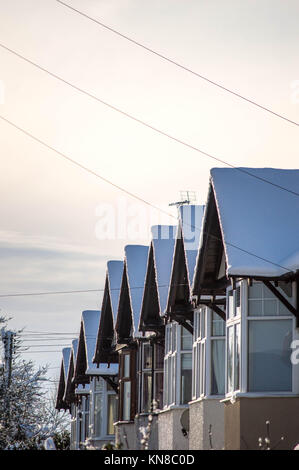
(104, 424)
(143, 371)
(243, 318)
(202, 349)
(172, 364)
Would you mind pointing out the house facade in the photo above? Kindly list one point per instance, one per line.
(195, 344)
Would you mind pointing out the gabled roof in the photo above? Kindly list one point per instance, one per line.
(184, 259)
(84, 366)
(69, 394)
(158, 273)
(110, 302)
(190, 221)
(254, 221)
(60, 403)
(130, 302)
(163, 243)
(114, 272)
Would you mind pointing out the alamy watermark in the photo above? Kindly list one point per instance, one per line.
(125, 220)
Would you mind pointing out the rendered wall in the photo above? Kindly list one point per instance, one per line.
(141, 421)
(245, 422)
(170, 430)
(202, 415)
(125, 434)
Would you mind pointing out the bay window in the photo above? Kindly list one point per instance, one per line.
(127, 385)
(208, 354)
(103, 409)
(177, 365)
(259, 339)
(151, 376)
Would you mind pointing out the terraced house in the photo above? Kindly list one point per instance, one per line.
(196, 345)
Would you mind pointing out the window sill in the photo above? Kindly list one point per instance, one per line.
(233, 397)
(207, 397)
(124, 422)
(174, 407)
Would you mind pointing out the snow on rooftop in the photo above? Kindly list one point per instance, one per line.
(259, 218)
(136, 263)
(66, 354)
(91, 320)
(191, 217)
(115, 271)
(163, 239)
(75, 348)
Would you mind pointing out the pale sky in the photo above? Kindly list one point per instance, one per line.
(49, 207)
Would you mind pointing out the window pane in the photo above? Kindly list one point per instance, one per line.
(147, 356)
(218, 367)
(127, 365)
(237, 295)
(198, 370)
(159, 390)
(111, 413)
(270, 307)
(203, 323)
(230, 352)
(218, 325)
(186, 339)
(159, 356)
(86, 425)
(270, 367)
(98, 406)
(202, 369)
(237, 357)
(186, 377)
(127, 401)
(147, 393)
(255, 291)
(255, 308)
(230, 304)
(174, 332)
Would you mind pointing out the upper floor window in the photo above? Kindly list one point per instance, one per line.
(208, 354)
(177, 365)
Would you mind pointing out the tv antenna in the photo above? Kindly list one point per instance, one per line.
(187, 197)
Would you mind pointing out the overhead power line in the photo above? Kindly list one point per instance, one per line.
(177, 64)
(133, 118)
(141, 199)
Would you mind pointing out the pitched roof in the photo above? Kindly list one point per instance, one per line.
(90, 323)
(69, 385)
(60, 403)
(191, 217)
(136, 262)
(114, 273)
(66, 352)
(259, 221)
(163, 240)
(105, 335)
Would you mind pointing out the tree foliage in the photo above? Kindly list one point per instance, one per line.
(27, 414)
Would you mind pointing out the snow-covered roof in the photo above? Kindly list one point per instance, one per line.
(259, 221)
(90, 321)
(66, 354)
(75, 348)
(191, 217)
(115, 271)
(163, 239)
(136, 263)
